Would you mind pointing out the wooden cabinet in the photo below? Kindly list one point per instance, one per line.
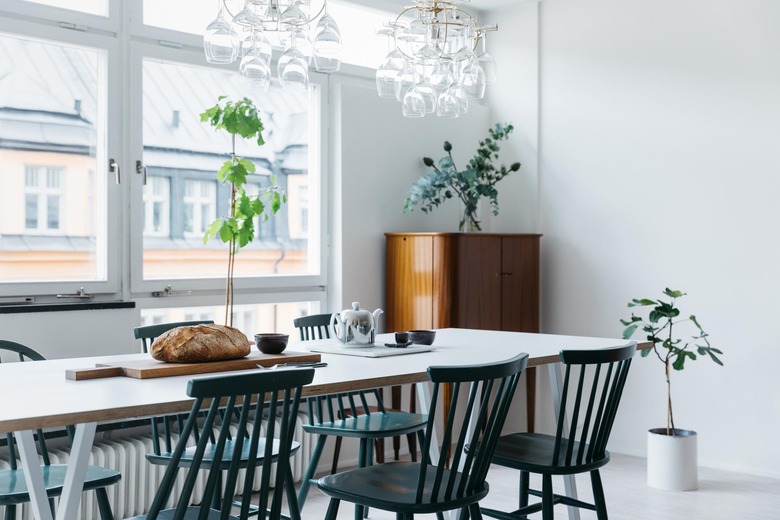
(467, 280)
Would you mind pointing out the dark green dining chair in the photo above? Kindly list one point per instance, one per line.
(592, 386)
(276, 394)
(410, 488)
(13, 486)
(360, 415)
(317, 326)
(148, 333)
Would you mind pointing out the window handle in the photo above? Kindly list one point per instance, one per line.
(168, 291)
(113, 167)
(140, 169)
(81, 294)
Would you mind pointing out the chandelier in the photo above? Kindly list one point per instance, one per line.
(247, 36)
(437, 60)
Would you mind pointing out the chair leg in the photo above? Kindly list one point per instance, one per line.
(333, 509)
(547, 497)
(598, 495)
(292, 501)
(411, 439)
(306, 482)
(363, 456)
(10, 512)
(525, 479)
(336, 453)
(104, 506)
(379, 448)
(474, 512)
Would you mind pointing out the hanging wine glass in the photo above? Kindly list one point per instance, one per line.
(256, 63)
(391, 66)
(220, 40)
(447, 104)
(405, 80)
(441, 77)
(293, 16)
(456, 89)
(327, 44)
(293, 69)
(486, 61)
(247, 17)
(472, 79)
(413, 104)
(428, 94)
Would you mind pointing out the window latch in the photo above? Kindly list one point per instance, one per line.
(168, 291)
(140, 169)
(81, 294)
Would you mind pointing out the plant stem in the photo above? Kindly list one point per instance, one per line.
(670, 414)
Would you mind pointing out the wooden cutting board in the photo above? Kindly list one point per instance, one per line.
(151, 368)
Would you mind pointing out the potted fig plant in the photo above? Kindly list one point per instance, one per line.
(477, 180)
(671, 451)
(237, 228)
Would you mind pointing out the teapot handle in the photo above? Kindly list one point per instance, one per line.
(334, 321)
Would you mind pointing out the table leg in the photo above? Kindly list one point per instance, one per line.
(77, 471)
(556, 387)
(33, 475)
(424, 402)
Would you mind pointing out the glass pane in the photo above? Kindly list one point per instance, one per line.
(50, 136)
(249, 319)
(188, 154)
(98, 7)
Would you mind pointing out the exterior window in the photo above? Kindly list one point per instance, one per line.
(98, 7)
(52, 143)
(200, 201)
(43, 193)
(157, 198)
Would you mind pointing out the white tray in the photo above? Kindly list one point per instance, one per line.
(376, 351)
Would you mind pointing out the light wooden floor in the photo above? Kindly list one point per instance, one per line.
(721, 495)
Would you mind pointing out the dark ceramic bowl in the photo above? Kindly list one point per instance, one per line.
(401, 337)
(271, 343)
(422, 337)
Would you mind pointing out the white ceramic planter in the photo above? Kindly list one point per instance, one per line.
(672, 462)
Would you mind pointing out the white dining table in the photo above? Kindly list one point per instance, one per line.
(37, 394)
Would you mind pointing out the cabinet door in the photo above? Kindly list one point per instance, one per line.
(478, 299)
(520, 284)
(409, 282)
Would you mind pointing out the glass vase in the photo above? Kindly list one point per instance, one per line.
(468, 219)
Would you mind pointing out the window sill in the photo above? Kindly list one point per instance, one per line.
(60, 307)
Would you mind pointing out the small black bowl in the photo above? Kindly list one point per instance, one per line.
(271, 342)
(422, 337)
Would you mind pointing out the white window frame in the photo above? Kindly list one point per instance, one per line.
(89, 38)
(204, 205)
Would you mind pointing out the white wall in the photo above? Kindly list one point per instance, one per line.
(659, 124)
(380, 158)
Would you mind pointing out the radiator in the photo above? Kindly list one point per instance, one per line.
(133, 494)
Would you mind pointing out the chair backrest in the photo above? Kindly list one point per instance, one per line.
(148, 333)
(315, 326)
(24, 353)
(328, 408)
(490, 389)
(592, 386)
(276, 395)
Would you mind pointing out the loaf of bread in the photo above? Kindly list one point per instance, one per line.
(199, 343)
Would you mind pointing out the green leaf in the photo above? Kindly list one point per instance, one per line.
(629, 331)
(641, 303)
(644, 352)
(212, 230)
(673, 294)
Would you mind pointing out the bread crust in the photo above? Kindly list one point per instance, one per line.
(199, 343)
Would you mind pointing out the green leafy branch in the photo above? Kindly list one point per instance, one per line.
(237, 229)
(660, 326)
(478, 180)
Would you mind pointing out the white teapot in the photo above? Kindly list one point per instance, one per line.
(355, 326)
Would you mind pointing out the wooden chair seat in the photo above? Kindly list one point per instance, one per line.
(534, 451)
(227, 456)
(374, 425)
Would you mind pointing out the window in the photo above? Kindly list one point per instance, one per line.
(200, 202)
(53, 123)
(42, 196)
(157, 199)
(88, 114)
